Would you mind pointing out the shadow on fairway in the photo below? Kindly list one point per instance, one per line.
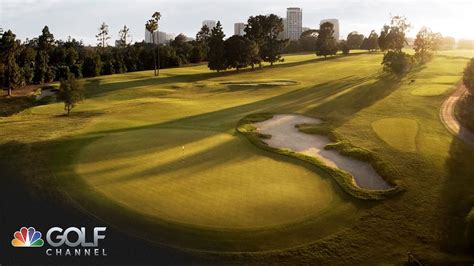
(457, 199)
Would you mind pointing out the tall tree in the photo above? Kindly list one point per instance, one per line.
(426, 43)
(396, 37)
(264, 30)
(152, 27)
(103, 35)
(383, 41)
(216, 55)
(354, 40)
(124, 36)
(240, 52)
(9, 48)
(42, 67)
(395, 60)
(70, 93)
(326, 44)
(344, 47)
(202, 42)
(372, 41)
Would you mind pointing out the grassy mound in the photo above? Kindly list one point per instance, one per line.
(345, 180)
(399, 133)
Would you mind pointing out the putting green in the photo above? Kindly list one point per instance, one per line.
(201, 178)
(399, 133)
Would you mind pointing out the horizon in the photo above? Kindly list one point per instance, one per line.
(18, 16)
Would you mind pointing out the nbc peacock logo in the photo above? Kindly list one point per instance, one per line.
(27, 237)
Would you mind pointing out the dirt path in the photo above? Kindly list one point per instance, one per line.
(449, 118)
(285, 135)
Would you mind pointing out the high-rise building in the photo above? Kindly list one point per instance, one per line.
(159, 36)
(294, 22)
(284, 33)
(209, 23)
(335, 23)
(239, 29)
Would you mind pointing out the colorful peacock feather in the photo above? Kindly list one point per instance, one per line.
(27, 237)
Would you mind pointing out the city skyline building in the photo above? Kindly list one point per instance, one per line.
(209, 23)
(239, 28)
(294, 23)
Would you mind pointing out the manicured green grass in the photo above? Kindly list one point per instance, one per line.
(201, 178)
(119, 155)
(399, 133)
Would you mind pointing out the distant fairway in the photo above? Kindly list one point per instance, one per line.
(120, 158)
(216, 180)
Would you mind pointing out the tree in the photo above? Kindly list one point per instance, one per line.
(183, 48)
(271, 50)
(216, 55)
(240, 52)
(448, 43)
(42, 68)
(124, 35)
(152, 26)
(103, 35)
(264, 31)
(396, 37)
(9, 47)
(383, 41)
(426, 43)
(326, 44)
(372, 41)
(202, 42)
(92, 65)
(344, 47)
(70, 93)
(468, 76)
(395, 60)
(465, 44)
(354, 40)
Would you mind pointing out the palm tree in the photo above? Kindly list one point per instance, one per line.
(152, 26)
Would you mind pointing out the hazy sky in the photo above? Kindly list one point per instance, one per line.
(81, 18)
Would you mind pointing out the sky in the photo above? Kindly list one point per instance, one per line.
(81, 19)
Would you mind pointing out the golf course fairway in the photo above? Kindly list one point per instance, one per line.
(159, 158)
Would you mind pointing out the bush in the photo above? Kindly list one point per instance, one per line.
(397, 62)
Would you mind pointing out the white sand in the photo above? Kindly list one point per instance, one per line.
(286, 135)
(45, 93)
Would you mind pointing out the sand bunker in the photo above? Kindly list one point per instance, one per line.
(261, 83)
(46, 93)
(286, 135)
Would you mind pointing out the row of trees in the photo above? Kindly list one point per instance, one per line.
(45, 59)
(259, 44)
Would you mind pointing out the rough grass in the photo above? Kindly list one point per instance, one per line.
(349, 93)
(399, 133)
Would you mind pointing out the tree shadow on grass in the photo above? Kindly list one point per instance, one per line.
(457, 199)
(95, 87)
